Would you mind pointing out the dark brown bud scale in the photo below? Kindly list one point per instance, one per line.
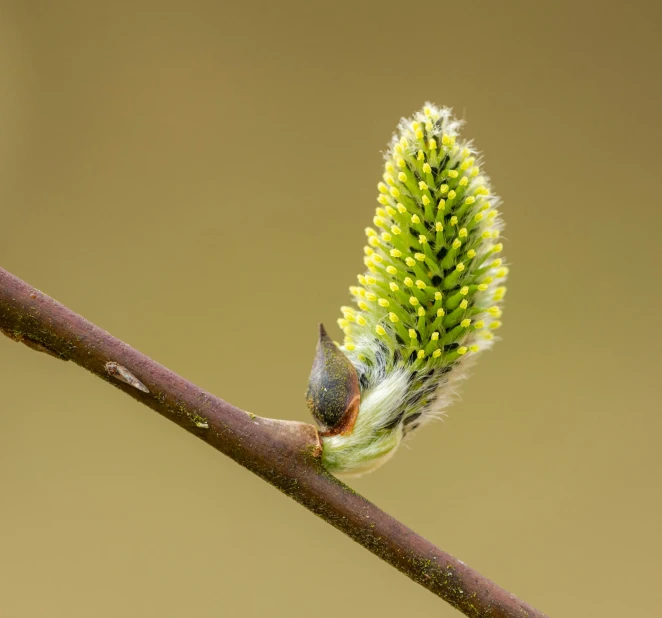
(333, 394)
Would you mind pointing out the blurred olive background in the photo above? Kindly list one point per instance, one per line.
(195, 177)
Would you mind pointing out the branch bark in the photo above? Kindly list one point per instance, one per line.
(283, 453)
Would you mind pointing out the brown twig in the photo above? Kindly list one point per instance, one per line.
(283, 453)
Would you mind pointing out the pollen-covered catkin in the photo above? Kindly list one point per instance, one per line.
(430, 297)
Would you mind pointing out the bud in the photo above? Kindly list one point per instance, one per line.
(428, 304)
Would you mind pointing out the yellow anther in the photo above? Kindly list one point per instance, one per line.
(452, 174)
(419, 134)
(390, 167)
(492, 214)
(350, 346)
(496, 263)
(403, 141)
(465, 153)
(486, 234)
(395, 229)
(432, 144)
(481, 191)
(387, 237)
(370, 232)
(474, 348)
(390, 211)
(382, 187)
(377, 258)
(383, 302)
(413, 301)
(380, 212)
(422, 186)
(402, 177)
(453, 220)
(420, 257)
(482, 287)
(462, 350)
(457, 243)
(343, 323)
(409, 282)
(463, 232)
(451, 194)
(382, 199)
(434, 336)
(471, 253)
(475, 171)
(426, 200)
(464, 290)
(440, 313)
(420, 155)
(361, 320)
(362, 279)
(447, 140)
(410, 262)
(420, 284)
(394, 286)
(354, 290)
(379, 329)
(368, 250)
(420, 354)
(428, 126)
(371, 296)
(498, 248)
(389, 179)
(478, 217)
(413, 334)
(436, 354)
(502, 272)
(494, 311)
(480, 324)
(486, 335)
(422, 239)
(396, 253)
(427, 110)
(496, 324)
(467, 163)
(495, 234)
(400, 208)
(394, 318)
(426, 168)
(442, 205)
(394, 192)
(439, 226)
(401, 162)
(421, 312)
(391, 270)
(499, 293)
(415, 125)
(470, 199)
(415, 219)
(488, 280)
(370, 280)
(438, 295)
(464, 181)
(378, 221)
(399, 148)
(465, 323)
(464, 303)
(443, 188)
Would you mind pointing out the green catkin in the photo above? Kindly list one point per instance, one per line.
(429, 300)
